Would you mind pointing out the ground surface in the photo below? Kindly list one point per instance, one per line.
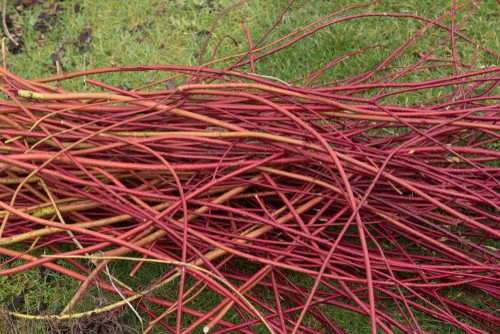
(65, 36)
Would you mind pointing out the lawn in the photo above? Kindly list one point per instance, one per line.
(58, 37)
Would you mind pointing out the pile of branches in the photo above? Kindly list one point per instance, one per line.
(288, 203)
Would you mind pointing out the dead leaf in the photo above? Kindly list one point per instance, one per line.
(84, 39)
(170, 84)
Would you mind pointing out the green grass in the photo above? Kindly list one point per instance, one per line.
(129, 33)
(170, 32)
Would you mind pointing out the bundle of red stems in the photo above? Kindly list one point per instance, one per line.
(284, 203)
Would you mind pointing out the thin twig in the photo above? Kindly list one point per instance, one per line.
(4, 23)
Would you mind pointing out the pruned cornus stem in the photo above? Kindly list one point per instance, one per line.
(121, 98)
(103, 285)
(200, 270)
(83, 225)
